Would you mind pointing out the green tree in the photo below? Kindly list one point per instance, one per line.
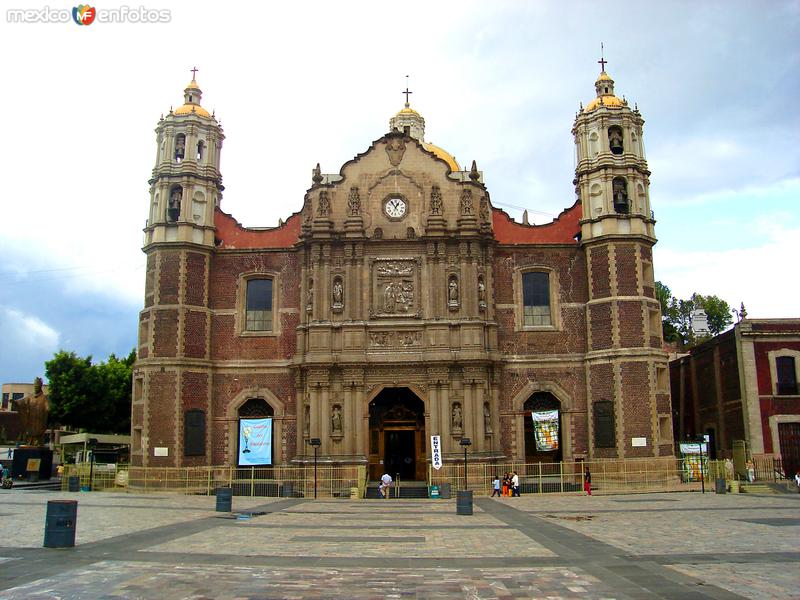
(676, 315)
(717, 310)
(92, 397)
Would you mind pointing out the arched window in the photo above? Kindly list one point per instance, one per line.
(615, 139)
(620, 191)
(536, 299)
(256, 407)
(180, 147)
(200, 150)
(174, 203)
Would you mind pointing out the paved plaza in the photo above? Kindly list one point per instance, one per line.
(678, 545)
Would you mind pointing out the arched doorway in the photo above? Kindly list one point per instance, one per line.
(543, 428)
(258, 408)
(397, 435)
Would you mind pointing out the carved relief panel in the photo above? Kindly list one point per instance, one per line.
(395, 288)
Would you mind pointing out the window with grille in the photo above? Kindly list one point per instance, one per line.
(259, 305)
(787, 376)
(604, 424)
(536, 299)
(194, 433)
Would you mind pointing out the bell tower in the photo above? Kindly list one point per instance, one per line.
(172, 377)
(186, 184)
(629, 408)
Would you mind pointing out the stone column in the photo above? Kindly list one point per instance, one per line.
(324, 420)
(445, 412)
(314, 419)
(434, 413)
(468, 413)
(360, 423)
(350, 425)
(479, 444)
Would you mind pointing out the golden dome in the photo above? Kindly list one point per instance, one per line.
(609, 101)
(441, 153)
(188, 109)
(604, 77)
(408, 111)
(193, 85)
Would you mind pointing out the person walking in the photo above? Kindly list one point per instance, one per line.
(496, 486)
(507, 484)
(386, 483)
(587, 482)
(515, 484)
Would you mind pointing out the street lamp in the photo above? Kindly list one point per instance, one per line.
(466, 442)
(92, 445)
(315, 443)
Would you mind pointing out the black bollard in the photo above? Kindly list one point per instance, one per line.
(59, 523)
(464, 502)
(224, 499)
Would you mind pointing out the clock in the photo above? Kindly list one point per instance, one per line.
(395, 207)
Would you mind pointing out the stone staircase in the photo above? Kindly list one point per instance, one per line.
(406, 489)
(764, 488)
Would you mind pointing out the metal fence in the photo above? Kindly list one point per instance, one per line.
(611, 476)
(277, 481)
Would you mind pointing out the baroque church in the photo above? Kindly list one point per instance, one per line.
(398, 303)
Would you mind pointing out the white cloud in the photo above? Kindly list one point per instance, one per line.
(27, 331)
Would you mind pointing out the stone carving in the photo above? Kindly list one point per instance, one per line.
(457, 417)
(378, 234)
(481, 293)
(316, 175)
(336, 420)
(338, 293)
(307, 420)
(487, 418)
(410, 233)
(452, 293)
(436, 200)
(324, 206)
(353, 203)
(390, 339)
(484, 210)
(310, 296)
(394, 287)
(395, 148)
(466, 202)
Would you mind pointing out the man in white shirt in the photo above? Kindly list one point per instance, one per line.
(515, 484)
(386, 482)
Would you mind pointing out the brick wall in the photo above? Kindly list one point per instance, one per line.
(601, 272)
(636, 407)
(195, 279)
(631, 324)
(194, 395)
(627, 270)
(165, 334)
(161, 401)
(601, 324)
(169, 280)
(194, 334)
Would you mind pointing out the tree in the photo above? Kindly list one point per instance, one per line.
(92, 397)
(676, 315)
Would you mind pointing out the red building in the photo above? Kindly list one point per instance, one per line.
(741, 386)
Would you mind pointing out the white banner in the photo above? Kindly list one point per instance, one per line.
(436, 452)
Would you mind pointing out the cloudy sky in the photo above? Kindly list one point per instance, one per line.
(299, 83)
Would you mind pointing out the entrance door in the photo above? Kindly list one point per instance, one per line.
(789, 437)
(397, 435)
(400, 454)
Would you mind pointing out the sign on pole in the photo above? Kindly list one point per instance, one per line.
(436, 452)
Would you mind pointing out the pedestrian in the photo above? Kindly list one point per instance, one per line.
(587, 482)
(751, 471)
(507, 484)
(515, 484)
(797, 480)
(496, 486)
(386, 483)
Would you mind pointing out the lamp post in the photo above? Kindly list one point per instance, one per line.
(466, 442)
(92, 445)
(315, 443)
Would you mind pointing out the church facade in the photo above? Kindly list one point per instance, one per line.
(398, 304)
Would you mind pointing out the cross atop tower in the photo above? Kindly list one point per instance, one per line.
(194, 70)
(602, 61)
(407, 92)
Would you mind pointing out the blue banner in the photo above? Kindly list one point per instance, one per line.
(255, 442)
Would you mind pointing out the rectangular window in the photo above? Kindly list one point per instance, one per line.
(604, 424)
(787, 376)
(259, 305)
(536, 299)
(5, 400)
(194, 433)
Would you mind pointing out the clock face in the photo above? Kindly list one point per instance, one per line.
(395, 207)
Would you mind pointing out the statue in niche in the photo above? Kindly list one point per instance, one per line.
(307, 419)
(481, 290)
(174, 208)
(338, 292)
(436, 200)
(353, 203)
(180, 147)
(410, 233)
(466, 202)
(487, 418)
(452, 291)
(336, 419)
(310, 295)
(457, 418)
(615, 140)
(324, 206)
(378, 234)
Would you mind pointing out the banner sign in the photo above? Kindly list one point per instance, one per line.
(545, 430)
(255, 442)
(436, 452)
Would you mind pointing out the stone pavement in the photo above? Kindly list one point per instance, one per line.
(679, 545)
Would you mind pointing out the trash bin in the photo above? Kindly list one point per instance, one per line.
(59, 523)
(464, 502)
(721, 485)
(433, 492)
(74, 483)
(224, 499)
(287, 491)
(444, 491)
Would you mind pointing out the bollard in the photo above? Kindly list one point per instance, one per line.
(464, 502)
(444, 491)
(74, 483)
(224, 499)
(59, 523)
(721, 485)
